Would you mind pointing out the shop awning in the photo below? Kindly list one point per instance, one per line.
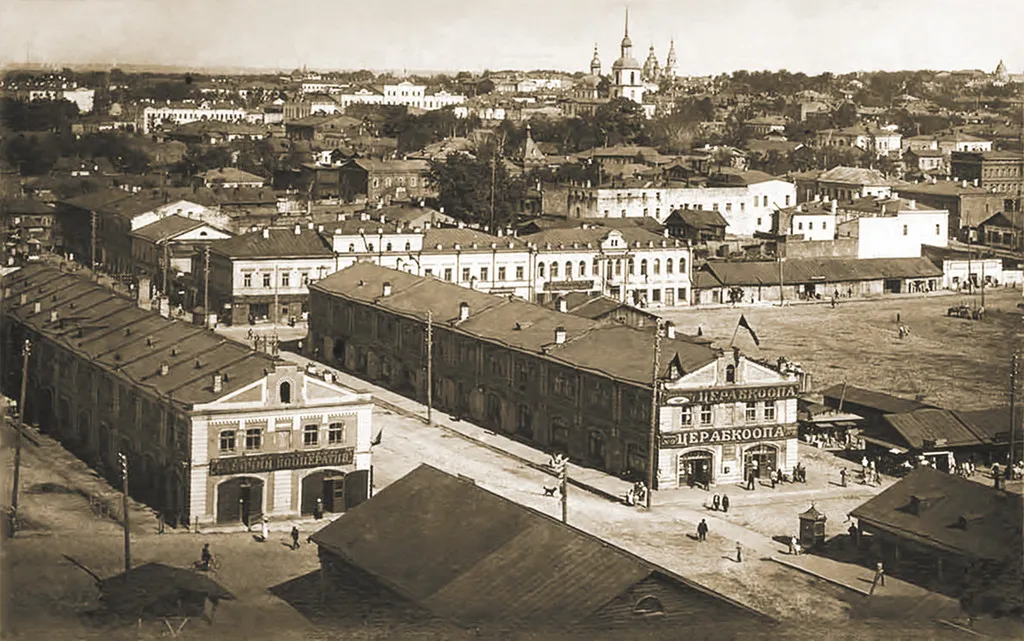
(894, 449)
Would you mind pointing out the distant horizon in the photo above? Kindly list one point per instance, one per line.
(710, 38)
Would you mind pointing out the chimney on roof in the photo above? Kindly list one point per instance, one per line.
(309, 225)
(266, 232)
(975, 182)
(934, 180)
(383, 218)
(38, 307)
(218, 383)
(559, 335)
(320, 229)
(670, 329)
(165, 368)
(563, 305)
(298, 229)
(827, 198)
(463, 311)
(386, 290)
(54, 316)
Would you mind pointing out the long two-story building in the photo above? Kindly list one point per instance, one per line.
(263, 275)
(213, 431)
(563, 382)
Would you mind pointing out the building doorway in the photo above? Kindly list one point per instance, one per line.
(695, 469)
(259, 311)
(240, 500)
(891, 285)
(761, 459)
(326, 485)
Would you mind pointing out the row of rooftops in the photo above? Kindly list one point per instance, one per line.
(316, 240)
(601, 347)
(184, 364)
(719, 273)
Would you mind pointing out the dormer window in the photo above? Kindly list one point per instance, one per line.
(285, 392)
(730, 373)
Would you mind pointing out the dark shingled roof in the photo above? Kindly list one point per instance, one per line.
(590, 344)
(930, 427)
(26, 207)
(467, 554)
(954, 514)
(880, 401)
(156, 588)
(167, 227)
(279, 243)
(111, 332)
(811, 270)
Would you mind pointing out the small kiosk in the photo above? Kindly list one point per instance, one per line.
(812, 528)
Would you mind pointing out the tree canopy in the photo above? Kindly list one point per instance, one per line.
(464, 189)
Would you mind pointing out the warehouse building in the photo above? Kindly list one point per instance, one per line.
(213, 432)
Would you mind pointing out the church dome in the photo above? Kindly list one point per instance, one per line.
(626, 62)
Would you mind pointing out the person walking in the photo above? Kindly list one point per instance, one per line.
(725, 502)
(842, 477)
(295, 537)
(739, 552)
(751, 473)
(792, 546)
(265, 527)
(715, 502)
(774, 476)
(796, 546)
(206, 556)
(879, 578)
(318, 509)
(702, 530)
(853, 534)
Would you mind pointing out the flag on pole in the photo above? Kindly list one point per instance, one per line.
(376, 439)
(745, 325)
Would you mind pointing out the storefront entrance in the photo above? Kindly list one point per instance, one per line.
(695, 469)
(761, 458)
(328, 486)
(240, 499)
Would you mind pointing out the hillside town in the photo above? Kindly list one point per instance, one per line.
(608, 352)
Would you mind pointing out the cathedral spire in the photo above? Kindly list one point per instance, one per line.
(627, 44)
(595, 63)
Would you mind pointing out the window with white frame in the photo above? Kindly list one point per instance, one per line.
(769, 410)
(227, 441)
(705, 415)
(750, 414)
(335, 433)
(686, 416)
(310, 435)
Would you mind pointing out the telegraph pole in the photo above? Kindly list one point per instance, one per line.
(430, 366)
(124, 504)
(167, 264)
(92, 243)
(652, 443)
(206, 287)
(1013, 408)
(17, 436)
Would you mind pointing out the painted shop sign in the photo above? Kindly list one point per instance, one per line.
(281, 461)
(558, 285)
(728, 435)
(731, 394)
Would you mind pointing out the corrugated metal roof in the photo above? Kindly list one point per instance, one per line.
(467, 554)
(879, 401)
(993, 527)
(815, 270)
(854, 175)
(932, 427)
(167, 227)
(279, 243)
(448, 237)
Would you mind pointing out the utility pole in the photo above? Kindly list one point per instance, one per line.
(652, 443)
(167, 264)
(92, 236)
(494, 168)
(17, 436)
(124, 505)
(430, 367)
(206, 287)
(782, 292)
(1013, 407)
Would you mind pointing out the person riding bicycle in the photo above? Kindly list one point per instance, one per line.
(207, 556)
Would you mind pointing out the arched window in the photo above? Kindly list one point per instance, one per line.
(285, 392)
(351, 247)
(649, 605)
(682, 265)
(540, 269)
(631, 266)
(730, 373)
(408, 246)
(668, 265)
(643, 267)
(568, 269)
(657, 266)
(595, 268)
(583, 268)
(618, 267)
(554, 270)
(388, 248)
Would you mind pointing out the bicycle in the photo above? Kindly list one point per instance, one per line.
(213, 566)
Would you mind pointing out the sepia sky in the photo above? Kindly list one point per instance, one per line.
(711, 36)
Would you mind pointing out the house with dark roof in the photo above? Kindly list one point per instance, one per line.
(728, 281)
(230, 178)
(562, 381)
(165, 248)
(1001, 232)
(493, 563)
(27, 228)
(696, 225)
(941, 527)
(199, 417)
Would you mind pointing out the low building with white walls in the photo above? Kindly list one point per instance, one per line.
(747, 209)
(815, 220)
(153, 117)
(404, 93)
(891, 228)
(82, 97)
(211, 431)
